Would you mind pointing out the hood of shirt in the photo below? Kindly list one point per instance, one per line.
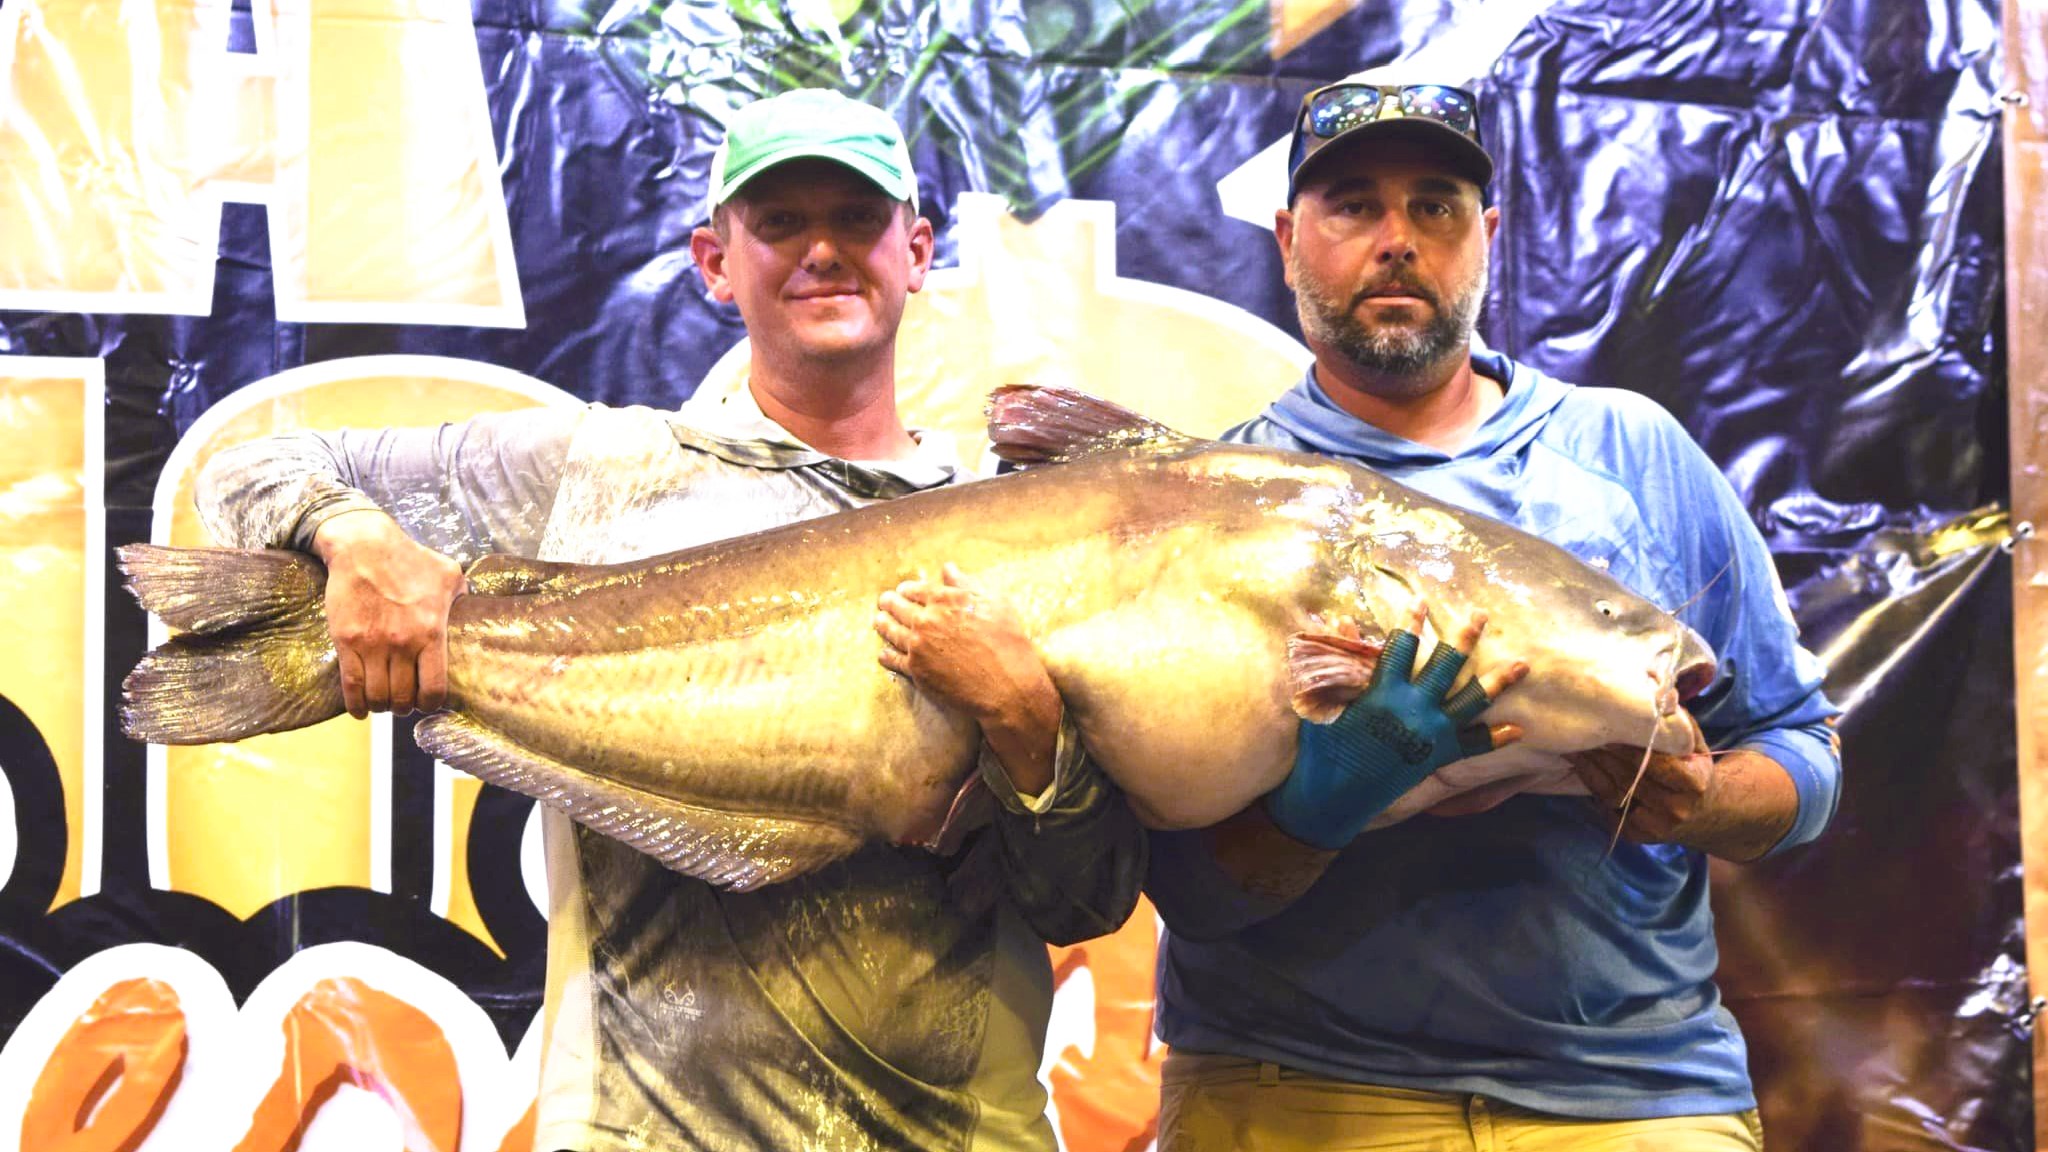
(1308, 413)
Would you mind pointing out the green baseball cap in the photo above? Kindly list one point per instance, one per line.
(812, 122)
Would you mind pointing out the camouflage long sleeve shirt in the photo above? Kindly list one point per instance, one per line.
(877, 1004)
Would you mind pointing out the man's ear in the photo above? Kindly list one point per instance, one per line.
(922, 245)
(1283, 235)
(1492, 218)
(709, 253)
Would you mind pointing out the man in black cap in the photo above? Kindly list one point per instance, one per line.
(1486, 975)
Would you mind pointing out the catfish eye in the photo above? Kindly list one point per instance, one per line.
(1606, 609)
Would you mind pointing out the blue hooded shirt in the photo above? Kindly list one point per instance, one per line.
(1506, 953)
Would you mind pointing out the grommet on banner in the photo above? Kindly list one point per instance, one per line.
(2021, 533)
(2013, 98)
(2023, 1020)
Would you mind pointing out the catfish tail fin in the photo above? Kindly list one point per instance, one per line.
(254, 655)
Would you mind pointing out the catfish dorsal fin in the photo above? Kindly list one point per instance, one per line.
(1029, 424)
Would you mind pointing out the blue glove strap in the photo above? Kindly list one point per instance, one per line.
(1386, 742)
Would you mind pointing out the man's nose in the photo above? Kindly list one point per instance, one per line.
(821, 252)
(1396, 242)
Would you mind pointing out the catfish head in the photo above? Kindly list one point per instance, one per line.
(1606, 665)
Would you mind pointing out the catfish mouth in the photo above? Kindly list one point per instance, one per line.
(1693, 680)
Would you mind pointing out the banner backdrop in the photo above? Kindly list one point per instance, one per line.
(1780, 218)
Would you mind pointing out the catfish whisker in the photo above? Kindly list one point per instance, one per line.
(1628, 798)
(1666, 682)
(1711, 581)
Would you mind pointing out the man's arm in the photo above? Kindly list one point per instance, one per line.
(389, 513)
(483, 485)
(1073, 850)
(1073, 853)
(1210, 882)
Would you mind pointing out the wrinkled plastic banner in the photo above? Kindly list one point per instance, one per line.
(1779, 218)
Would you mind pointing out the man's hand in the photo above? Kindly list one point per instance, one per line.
(1673, 790)
(1407, 725)
(1278, 864)
(387, 609)
(1737, 806)
(968, 650)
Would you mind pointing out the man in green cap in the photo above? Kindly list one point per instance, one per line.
(896, 1000)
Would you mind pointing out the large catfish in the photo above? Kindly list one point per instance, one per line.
(721, 708)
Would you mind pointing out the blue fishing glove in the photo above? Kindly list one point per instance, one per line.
(1387, 741)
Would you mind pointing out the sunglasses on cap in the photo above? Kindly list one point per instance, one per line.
(1436, 110)
(1337, 108)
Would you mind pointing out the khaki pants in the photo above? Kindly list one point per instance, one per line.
(1226, 1104)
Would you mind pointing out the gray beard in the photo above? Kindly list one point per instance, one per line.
(1398, 355)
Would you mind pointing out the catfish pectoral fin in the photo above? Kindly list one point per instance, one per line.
(729, 849)
(1326, 671)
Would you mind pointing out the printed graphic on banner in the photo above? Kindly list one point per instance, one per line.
(1103, 1064)
(963, 86)
(362, 125)
(142, 1048)
(1461, 50)
(51, 547)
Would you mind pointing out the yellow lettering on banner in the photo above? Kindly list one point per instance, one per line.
(362, 124)
(462, 909)
(245, 824)
(50, 565)
(399, 166)
(520, 1137)
(143, 1047)
(96, 188)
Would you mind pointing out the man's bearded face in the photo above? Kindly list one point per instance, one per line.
(1390, 342)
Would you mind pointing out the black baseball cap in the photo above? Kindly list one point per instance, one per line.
(1440, 116)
